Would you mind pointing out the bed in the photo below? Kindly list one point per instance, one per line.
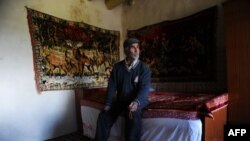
(169, 116)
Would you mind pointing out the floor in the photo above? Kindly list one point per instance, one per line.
(76, 136)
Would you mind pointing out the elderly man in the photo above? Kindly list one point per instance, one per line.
(128, 90)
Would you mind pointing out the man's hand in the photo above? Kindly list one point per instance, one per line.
(133, 106)
(106, 108)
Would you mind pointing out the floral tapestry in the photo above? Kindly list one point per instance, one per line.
(70, 54)
(180, 50)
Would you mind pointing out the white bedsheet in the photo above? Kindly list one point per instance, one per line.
(153, 129)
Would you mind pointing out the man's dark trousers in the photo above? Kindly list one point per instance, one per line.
(106, 119)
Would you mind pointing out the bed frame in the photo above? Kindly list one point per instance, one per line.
(212, 128)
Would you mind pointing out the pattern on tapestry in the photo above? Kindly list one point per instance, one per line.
(180, 50)
(70, 54)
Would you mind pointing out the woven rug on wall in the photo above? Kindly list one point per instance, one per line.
(69, 54)
(180, 50)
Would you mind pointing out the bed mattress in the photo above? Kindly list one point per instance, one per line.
(154, 129)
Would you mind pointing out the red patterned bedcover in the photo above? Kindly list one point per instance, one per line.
(166, 104)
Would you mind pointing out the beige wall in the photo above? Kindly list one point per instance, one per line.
(147, 12)
(26, 115)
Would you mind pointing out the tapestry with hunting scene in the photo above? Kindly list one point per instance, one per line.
(68, 54)
(181, 50)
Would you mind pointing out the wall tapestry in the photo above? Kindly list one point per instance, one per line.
(180, 50)
(69, 54)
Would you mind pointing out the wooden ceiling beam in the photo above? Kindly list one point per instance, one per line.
(110, 4)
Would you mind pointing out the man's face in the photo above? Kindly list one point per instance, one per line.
(134, 51)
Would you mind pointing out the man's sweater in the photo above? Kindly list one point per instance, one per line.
(133, 84)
